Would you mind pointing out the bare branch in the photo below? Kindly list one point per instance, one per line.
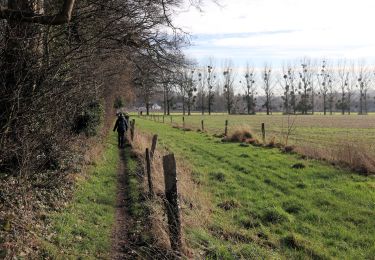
(29, 17)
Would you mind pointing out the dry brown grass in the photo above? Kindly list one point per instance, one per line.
(353, 155)
(194, 204)
(241, 133)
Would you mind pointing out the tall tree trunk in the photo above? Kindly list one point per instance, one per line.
(209, 102)
(202, 103)
(165, 99)
(19, 56)
(349, 103)
(360, 102)
(248, 101)
(343, 103)
(183, 105)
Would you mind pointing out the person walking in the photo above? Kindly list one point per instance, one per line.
(121, 126)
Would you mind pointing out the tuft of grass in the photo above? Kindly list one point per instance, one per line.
(228, 204)
(219, 176)
(274, 216)
(83, 229)
(239, 135)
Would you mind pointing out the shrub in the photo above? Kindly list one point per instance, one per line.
(89, 120)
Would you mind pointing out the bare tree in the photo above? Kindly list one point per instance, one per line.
(190, 89)
(23, 11)
(250, 90)
(305, 86)
(363, 83)
(350, 88)
(202, 78)
(267, 88)
(289, 90)
(331, 93)
(211, 80)
(228, 77)
(324, 79)
(146, 82)
(343, 80)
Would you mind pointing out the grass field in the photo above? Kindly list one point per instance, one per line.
(262, 207)
(349, 138)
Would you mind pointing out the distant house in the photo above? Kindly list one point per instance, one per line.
(179, 106)
(156, 107)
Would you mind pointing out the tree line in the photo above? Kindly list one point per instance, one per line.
(305, 87)
(63, 63)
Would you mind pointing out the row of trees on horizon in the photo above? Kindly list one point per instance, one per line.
(304, 88)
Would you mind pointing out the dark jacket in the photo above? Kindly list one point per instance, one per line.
(121, 125)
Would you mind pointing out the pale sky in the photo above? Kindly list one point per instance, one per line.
(277, 31)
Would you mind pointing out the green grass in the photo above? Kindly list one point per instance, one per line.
(83, 229)
(317, 131)
(263, 208)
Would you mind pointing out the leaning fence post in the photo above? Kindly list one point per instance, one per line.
(153, 146)
(132, 128)
(202, 125)
(148, 168)
(226, 127)
(263, 133)
(170, 180)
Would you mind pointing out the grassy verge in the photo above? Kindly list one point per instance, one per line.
(83, 229)
(137, 209)
(265, 208)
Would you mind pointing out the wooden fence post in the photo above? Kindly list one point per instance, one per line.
(153, 146)
(132, 129)
(170, 180)
(202, 125)
(226, 128)
(171, 119)
(263, 133)
(183, 122)
(163, 119)
(148, 168)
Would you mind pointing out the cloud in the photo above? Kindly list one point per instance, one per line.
(273, 30)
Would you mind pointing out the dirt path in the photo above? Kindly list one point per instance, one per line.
(121, 239)
(131, 235)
